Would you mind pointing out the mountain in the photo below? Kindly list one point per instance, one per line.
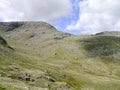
(43, 58)
(110, 33)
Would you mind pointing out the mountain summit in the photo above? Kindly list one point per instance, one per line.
(9, 26)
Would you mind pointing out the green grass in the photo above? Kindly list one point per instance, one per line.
(103, 46)
(8, 88)
(80, 62)
(81, 73)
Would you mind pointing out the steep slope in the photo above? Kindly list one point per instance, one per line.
(46, 59)
(7, 58)
(26, 40)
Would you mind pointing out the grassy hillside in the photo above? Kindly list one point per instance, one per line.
(103, 46)
(46, 59)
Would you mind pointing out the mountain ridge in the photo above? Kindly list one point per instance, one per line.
(113, 33)
(8, 26)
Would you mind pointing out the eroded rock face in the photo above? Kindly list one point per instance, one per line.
(9, 26)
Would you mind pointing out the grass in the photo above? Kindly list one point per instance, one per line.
(78, 62)
(8, 88)
(103, 46)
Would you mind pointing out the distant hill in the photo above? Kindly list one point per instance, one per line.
(103, 46)
(111, 33)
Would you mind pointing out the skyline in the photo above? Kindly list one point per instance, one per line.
(73, 16)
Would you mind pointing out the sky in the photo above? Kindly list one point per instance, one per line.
(72, 16)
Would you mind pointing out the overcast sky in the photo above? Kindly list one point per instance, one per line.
(74, 16)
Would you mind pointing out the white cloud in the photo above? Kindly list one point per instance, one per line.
(97, 15)
(29, 10)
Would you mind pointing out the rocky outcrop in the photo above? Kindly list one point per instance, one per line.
(9, 26)
(61, 36)
(3, 41)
